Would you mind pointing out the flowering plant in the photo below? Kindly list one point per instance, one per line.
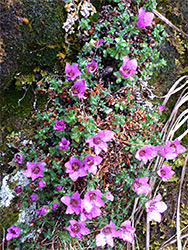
(129, 67)
(78, 88)
(96, 193)
(34, 170)
(144, 18)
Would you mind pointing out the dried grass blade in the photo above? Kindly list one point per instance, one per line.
(168, 22)
(178, 206)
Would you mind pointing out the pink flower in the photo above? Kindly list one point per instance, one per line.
(78, 88)
(63, 144)
(34, 170)
(12, 232)
(92, 66)
(75, 168)
(55, 205)
(99, 141)
(18, 189)
(95, 212)
(106, 235)
(126, 231)
(146, 154)
(128, 67)
(161, 107)
(72, 71)
(77, 228)
(58, 187)
(33, 197)
(171, 149)
(141, 186)
(73, 203)
(144, 18)
(42, 210)
(41, 183)
(109, 196)
(19, 158)
(92, 198)
(59, 125)
(91, 163)
(154, 207)
(98, 42)
(165, 172)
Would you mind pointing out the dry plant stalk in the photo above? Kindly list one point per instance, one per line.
(171, 126)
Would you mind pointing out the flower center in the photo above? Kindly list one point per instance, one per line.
(76, 228)
(126, 70)
(96, 43)
(137, 184)
(91, 67)
(71, 73)
(36, 169)
(173, 146)
(12, 231)
(152, 207)
(97, 140)
(92, 196)
(142, 152)
(18, 157)
(163, 173)
(18, 189)
(106, 230)
(90, 162)
(73, 202)
(75, 166)
(125, 230)
(64, 143)
(75, 90)
(60, 124)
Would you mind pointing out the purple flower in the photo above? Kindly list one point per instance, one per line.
(161, 107)
(34, 170)
(165, 172)
(92, 198)
(97, 43)
(18, 189)
(19, 158)
(109, 196)
(144, 18)
(154, 207)
(55, 205)
(106, 235)
(41, 183)
(59, 125)
(77, 228)
(141, 186)
(95, 211)
(33, 197)
(99, 141)
(63, 144)
(146, 153)
(92, 66)
(42, 210)
(73, 203)
(78, 88)
(171, 149)
(12, 232)
(91, 163)
(75, 168)
(58, 188)
(72, 71)
(128, 67)
(127, 231)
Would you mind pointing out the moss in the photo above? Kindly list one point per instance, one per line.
(8, 216)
